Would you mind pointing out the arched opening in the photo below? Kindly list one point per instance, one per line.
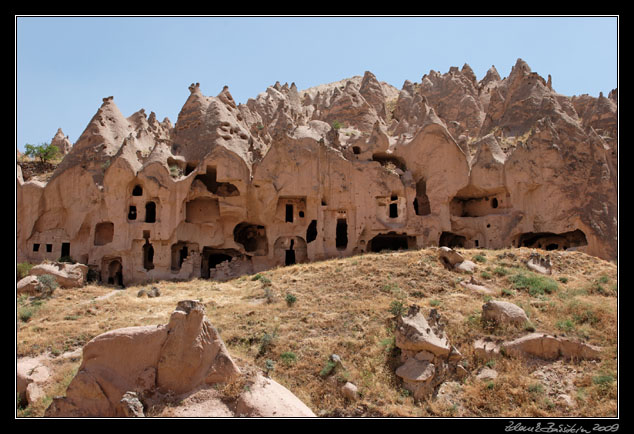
(137, 190)
(132, 212)
(393, 210)
(115, 273)
(148, 255)
(551, 241)
(150, 212)
(356, 150)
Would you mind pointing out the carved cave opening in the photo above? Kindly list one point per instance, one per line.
(148, 255)
(137, 190)
(180, 252)
(224, 189)
(391, 241)
(252, 237)
(212, 257)
(341, 239)
(550, 240)
(150, 212)
(311, 231)
(421, 201)
(451, 240)
(114, 272)
(104, 233)
(475, 202)
(389, 161)
(65, 250)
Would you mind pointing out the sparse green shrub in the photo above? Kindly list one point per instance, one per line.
(500, 271)
(337, 125)
(290, 299)
(288, 357)
(533, 283)
(49, 284)
(327, 370)
(397, 308)
(480, 258)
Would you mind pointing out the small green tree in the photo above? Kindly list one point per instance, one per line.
(45, 152)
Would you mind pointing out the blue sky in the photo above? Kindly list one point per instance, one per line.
(64, 66)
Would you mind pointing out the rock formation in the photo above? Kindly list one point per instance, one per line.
(126, 370)
(349, 167)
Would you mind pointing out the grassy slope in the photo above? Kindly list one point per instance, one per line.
(343, 306)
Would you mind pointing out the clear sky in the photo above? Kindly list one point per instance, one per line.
(64, 66)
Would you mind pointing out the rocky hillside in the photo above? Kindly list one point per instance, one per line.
(341, 168)
(502, 338)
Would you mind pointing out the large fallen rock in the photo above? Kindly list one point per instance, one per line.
(187, 354)
(540, 345)
(66, 275)
(428, 357)
(267, 398)
(503, 312)
(547, 346)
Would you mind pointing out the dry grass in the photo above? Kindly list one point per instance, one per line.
(343, 307)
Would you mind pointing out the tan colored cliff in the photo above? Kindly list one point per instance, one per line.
(339, 169)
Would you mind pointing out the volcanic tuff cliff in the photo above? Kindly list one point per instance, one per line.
(333, 170)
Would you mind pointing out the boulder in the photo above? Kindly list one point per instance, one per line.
(350, 391)
(449, 257)
(414, 332)
(123, 367)
(267, 398)
(550, 347)
(539, 264)
(65, 274)
(503, 312)
(30, 285)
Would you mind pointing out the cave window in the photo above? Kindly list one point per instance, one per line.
(477, 243)
(393, 210)
(494, 203)
(36, 247)
(137, 190)
(356, 150)
(289, 213)
(150, 212)
(49, 248)
(301, 214)
(311, 231)
(323, 202)
(132, 213)
(341, 240)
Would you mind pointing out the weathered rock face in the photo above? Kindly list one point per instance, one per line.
(123, 367)
(348, 167)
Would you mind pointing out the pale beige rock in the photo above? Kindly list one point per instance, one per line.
(487, 374)
(550, 347)
(66, 275)
(267, 398)
(503, 312)
(123, 367)
(350, 391)
(414, 332)
(29, 285)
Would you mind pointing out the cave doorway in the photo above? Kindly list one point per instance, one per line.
(341, 239)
